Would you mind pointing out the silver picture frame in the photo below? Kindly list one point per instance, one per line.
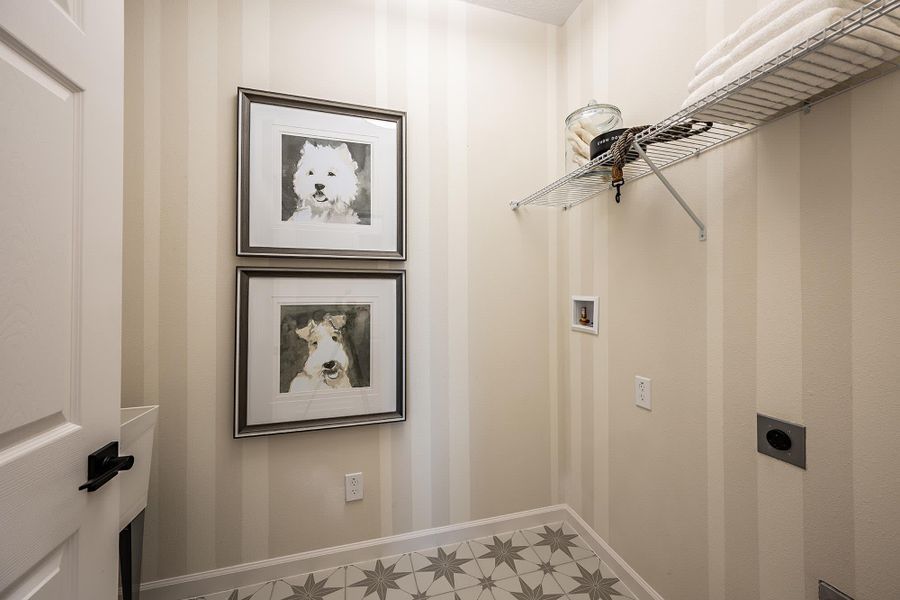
(395, 403)
(247, 98)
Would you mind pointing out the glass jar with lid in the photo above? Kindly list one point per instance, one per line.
(585, 124)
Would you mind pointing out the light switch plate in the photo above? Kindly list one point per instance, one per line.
(642, 390)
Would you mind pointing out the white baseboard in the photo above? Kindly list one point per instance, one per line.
(209, 582)
(601, 548)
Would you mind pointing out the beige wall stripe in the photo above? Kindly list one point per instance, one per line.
(173, 291)
(419, 314)
(151, 199)
(779, 355)
(553, 264)
(458, 263)
(203, 198)
(228, 461)
(381, 56)
(827, 284)
(255, 483)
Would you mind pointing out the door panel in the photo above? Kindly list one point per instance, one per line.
(41, 138)
(50, 578)
(60, 293)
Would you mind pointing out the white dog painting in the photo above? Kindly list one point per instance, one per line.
(328, 183)
(329, 351)
(328, 359)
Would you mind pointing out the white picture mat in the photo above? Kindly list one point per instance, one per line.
(267, 124)
(266, 295)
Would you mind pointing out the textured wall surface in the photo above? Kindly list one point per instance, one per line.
(474, 84)
(790, 308)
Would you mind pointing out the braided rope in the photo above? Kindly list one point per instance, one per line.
(623, 144)
(619, 152)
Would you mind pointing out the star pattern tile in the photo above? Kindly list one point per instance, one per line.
(442, 570)
(331, 578)
(503, 552)
(550, 562)
(379, 580)
(470, 593)
(531, 586)
(591, 579)
(536, 593)
(314, 590)
(486, 582)
(445, 565)
(595, 585)
(277, 590)
(557, 540)
(506, 555)
(556, 544)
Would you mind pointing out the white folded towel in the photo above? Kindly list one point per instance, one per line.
(757, 21)
(722, 48)
(747, 40)
(837, 62)
(579, 141)
(848, 49)
(714, 70)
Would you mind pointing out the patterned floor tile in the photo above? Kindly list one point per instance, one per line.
(226, 595)
(544, 563)
(321, 585)
(472, 593)
(531, 586)
(276, 590)
(505, 555)
(532, 534)
(384, 579)
(557, 544)
(442, 570)
(590, 579)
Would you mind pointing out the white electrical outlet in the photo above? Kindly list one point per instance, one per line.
(353, 487)
(642, 389)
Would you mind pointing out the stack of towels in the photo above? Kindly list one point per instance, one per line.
(776, 28)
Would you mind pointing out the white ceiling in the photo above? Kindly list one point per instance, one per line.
(554, 12)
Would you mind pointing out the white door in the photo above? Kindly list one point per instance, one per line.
(61, 87)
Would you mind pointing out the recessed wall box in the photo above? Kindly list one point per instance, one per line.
(781, 439)
(584, 314)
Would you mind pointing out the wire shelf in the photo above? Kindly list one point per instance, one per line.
(797, 79)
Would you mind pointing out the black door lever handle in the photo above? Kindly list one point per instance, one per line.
(103, 465)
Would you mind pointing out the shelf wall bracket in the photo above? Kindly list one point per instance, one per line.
(672, 191)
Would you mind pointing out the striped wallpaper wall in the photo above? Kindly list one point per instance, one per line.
(788, 309)
(785, 309)
(477, 442)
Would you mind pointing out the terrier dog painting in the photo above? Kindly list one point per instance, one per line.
(324, 347)
(325, 181)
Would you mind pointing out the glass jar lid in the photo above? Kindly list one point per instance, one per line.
(594, 109)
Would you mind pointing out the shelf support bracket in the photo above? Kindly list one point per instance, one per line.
(672, 191)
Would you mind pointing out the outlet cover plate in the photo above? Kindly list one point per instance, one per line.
(353, 487)
(642, 392)
(796, 454)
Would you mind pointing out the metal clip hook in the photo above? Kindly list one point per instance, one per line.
(618, 187)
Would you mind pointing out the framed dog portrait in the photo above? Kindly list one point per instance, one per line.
(319, 179)
(318, 349)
